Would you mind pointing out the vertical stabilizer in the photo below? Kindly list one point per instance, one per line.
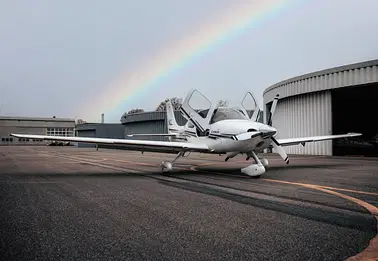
(173, 127)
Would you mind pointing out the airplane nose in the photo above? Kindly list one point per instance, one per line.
(268, 131)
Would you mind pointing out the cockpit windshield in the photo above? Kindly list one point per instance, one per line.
(227, 114)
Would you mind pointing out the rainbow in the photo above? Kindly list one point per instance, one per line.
(220, 29)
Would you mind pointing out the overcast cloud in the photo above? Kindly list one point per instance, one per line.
(56, 55)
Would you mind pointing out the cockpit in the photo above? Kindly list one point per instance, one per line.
(221, 114)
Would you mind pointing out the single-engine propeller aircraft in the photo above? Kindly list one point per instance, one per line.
(210, 129)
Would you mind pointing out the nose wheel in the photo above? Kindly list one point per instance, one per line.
(254, 170)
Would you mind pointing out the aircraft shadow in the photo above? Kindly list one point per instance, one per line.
(206, 170)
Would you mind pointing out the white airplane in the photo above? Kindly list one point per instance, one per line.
(211, 129)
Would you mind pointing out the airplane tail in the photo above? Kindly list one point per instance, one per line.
(173, 127)
(175, 131)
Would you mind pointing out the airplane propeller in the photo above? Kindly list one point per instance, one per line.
(276, 145)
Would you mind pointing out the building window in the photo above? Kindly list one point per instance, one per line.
(3, 139)
(60, 132)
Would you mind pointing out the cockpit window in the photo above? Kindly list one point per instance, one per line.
(227, 114)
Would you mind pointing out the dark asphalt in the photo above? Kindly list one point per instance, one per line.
(62, 203)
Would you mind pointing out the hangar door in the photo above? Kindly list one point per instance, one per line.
(354, 109)
(86, 133)
(304, 116)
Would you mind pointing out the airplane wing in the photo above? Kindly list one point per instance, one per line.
(296, 141)
(153, 135)
(138, 145)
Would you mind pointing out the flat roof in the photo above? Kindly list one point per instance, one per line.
(12, 118)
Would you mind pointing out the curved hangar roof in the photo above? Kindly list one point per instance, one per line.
(348, 75)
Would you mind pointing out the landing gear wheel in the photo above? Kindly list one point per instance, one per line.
(167, 166)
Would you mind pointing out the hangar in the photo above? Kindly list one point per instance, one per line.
(149, 122)
(331, 101)
(136, 123)
(99, 130)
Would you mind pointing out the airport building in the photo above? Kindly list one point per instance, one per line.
(331, 101)
(32, 125)
(136, 123)
(99, 130)
(149, 122)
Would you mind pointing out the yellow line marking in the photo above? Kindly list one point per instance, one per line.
(370, 253)
(194, 168)
(324, 187)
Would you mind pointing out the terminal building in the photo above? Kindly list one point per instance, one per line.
(32, 125)
(331, 101)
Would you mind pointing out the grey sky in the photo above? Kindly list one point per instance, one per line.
(55, 56)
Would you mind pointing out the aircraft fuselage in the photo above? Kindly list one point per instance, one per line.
(221, 136)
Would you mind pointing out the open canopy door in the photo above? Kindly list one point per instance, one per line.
(198, 109)
(249, 107)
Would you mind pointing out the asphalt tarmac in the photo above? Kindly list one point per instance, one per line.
(65, 203)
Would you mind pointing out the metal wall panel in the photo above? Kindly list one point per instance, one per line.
(305, 115)
(149, 122)
(100, 130)
(86, 133)
(146, 127)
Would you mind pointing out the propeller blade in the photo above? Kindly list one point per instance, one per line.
(272, 110)
(280, 150)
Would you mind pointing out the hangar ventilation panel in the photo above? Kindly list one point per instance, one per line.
(302, 116)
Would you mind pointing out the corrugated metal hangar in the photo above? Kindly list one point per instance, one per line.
(136, 123)
(149, 122)
(332, 101)
(99, 130)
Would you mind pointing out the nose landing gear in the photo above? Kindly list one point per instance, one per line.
(255, 170)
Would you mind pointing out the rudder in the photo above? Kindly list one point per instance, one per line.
(173, 127)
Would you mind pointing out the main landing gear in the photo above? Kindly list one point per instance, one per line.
(255, 170)
(166, 166)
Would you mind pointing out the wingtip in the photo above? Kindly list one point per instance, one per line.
(354, 134)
